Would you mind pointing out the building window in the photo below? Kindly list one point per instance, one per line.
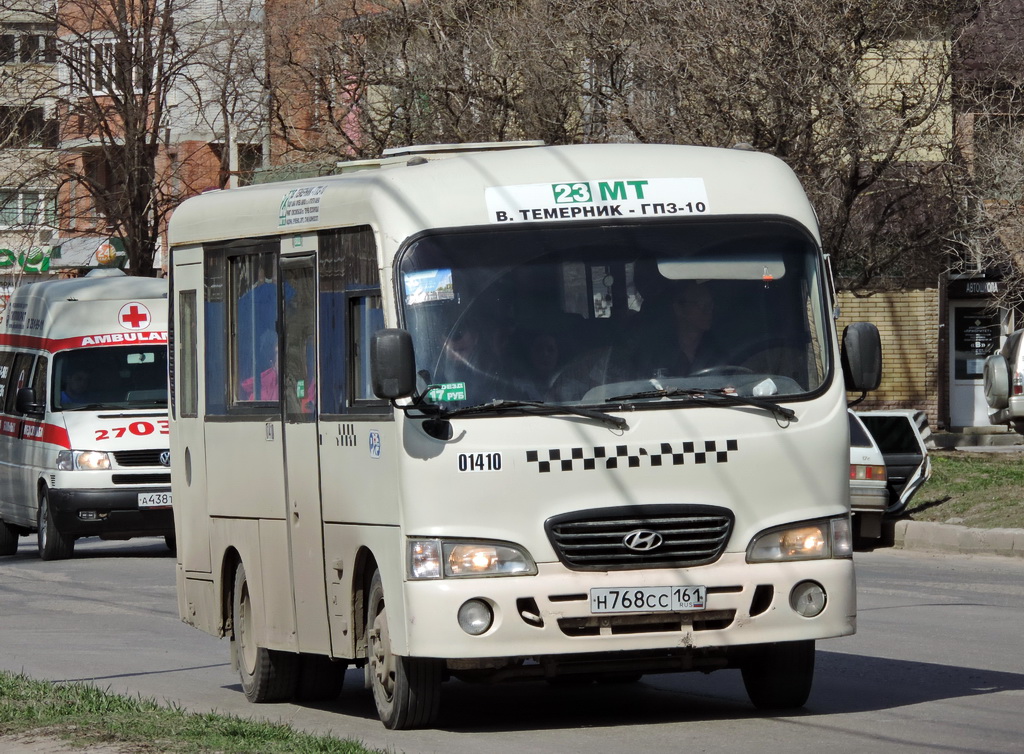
(104, 67)
(22, 127)
(28, 43)
(25, 209)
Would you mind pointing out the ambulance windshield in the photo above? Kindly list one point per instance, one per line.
(581, 315)
(110, 377)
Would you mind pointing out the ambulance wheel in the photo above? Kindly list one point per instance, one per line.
(8, 539)
(779, 676)
(53, 545)
(267, 675)
(406, 690)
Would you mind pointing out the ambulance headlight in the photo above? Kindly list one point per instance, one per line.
(83, 460)
(438, 558)
(810, 540)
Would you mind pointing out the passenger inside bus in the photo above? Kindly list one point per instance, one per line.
(267, 390)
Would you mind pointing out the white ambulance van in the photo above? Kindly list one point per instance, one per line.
(83, 412)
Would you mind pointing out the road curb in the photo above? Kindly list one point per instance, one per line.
(925, 535)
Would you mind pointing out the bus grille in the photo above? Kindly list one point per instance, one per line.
(677, 536)
(138, 457)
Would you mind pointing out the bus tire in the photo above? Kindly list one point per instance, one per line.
(53, 544)
(406, 690)
(779, 676)
(320, 678)
(8, 539)
(267, 675)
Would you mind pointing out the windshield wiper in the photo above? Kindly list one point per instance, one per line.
(709, 397)
(535, 407)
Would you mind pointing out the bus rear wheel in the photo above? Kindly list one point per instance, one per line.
(267, 675)
(779, 676)
(406, 690)
(53, 544)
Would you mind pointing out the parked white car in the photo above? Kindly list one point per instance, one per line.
(869, 495)
(900, 435)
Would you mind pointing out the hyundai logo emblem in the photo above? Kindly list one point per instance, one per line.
(642, 540)
(165, 458)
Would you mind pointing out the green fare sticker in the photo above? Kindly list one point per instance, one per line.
(447, 393)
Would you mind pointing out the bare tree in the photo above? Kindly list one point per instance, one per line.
(990, 105)
(854, 96)
(142, 91)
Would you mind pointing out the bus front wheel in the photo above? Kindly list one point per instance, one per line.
(779, 676)
(53, 544)
(267, 675)
(406, 690)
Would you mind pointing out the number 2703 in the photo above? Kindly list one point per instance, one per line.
(135, 428)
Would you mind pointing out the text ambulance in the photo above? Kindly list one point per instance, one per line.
(83, 412)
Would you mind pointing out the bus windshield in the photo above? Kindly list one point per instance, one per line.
(110, 377)
(579, 314)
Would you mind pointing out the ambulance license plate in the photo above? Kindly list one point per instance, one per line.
(650, 599)
(154, 499)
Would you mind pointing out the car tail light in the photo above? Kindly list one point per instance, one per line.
(866, 471)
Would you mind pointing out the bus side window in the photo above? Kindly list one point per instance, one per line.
(366, 316)
(349, 312)
(253, 348)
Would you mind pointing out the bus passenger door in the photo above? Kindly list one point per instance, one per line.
(301, 453)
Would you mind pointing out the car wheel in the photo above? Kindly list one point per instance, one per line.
(406, 690)
(267, 675)
(53, 544)
(779, 676)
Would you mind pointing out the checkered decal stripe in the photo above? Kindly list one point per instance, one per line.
(624, 457)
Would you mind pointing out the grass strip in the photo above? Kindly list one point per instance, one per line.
(83, 715)
(979, 490)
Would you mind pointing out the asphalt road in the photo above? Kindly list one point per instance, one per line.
(936, 666)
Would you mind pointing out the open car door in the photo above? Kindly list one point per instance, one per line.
(900, 435)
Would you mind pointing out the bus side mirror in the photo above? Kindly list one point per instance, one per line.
(392, 364)
(862, 357)
(25, 402)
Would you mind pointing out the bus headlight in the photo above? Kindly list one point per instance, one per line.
(83, 460)
(436, 558)
(810, 540)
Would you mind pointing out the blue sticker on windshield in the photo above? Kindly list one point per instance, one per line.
(428, 285)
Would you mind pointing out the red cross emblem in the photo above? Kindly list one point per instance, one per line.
(134, 316)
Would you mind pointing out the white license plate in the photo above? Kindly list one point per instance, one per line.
(154, 499)
(650, 599)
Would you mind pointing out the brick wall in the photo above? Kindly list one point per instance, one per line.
(908, 321)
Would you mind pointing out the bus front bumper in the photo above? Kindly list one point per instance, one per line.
(551, 613)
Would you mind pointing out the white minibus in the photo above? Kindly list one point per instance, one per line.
(84, 429)
(512, 411)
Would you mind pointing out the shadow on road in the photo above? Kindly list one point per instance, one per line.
(844, 684)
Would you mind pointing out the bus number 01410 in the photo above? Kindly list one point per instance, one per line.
(479, 461)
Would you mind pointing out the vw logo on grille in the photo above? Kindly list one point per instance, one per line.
(642, 540)
(165, 458)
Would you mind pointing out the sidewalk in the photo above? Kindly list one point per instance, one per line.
(928, 536)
